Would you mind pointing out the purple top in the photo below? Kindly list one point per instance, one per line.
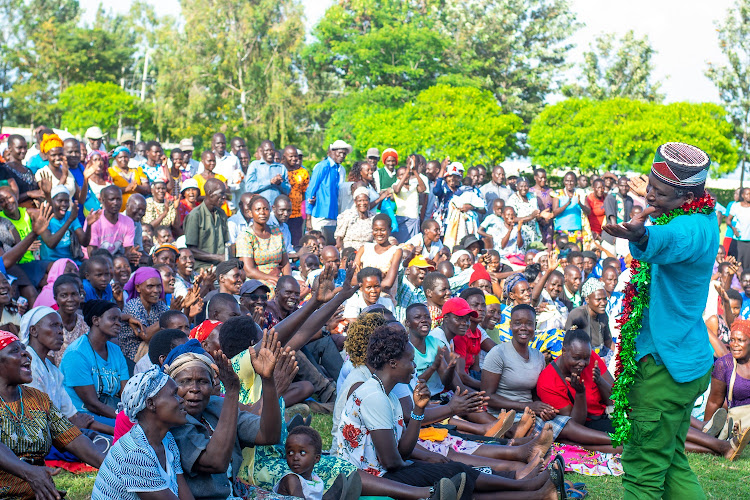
(723, 371)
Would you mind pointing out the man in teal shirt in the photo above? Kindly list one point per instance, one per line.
(673, 352)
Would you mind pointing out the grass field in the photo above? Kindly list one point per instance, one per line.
(720, 479)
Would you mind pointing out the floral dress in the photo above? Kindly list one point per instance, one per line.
(299, 180)
(530, 229)
(353, 229)
(267, 253)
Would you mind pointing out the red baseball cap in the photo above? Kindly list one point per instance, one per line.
(459, 307)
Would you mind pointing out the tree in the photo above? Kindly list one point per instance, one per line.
(733, 78)
(622, 134)
(463, 122)
(617, 68)
(94, 103)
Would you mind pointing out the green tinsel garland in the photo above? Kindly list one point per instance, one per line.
(635, 301)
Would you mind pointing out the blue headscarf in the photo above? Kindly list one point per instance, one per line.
(120, 149)
(191, 345)
(511, 282)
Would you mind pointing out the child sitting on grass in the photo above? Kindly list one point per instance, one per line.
(303, 448)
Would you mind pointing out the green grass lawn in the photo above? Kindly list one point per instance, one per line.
(720, 479)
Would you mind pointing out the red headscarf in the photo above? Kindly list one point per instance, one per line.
(389, 152)
(202, 331)
(6, 338)
(480, 273)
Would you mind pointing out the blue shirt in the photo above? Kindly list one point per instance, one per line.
(36, 162)
(82, 366)
(285, 233)
(93, 294)
(745, 311)
(258, 180)
(62, 250)
(324, 186)
(78, 176)
(681, 255)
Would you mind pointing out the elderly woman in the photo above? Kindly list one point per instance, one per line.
(97, 176)
(527, 211)
(146, 462)
(145, 304)
(56, 173)
(94, 367)
(31, 425)
(261, 247)
(65, 238)
(160, 211)
(354, 226)
(592, 318)
(42, 332)
(381, 254)
(216, 432)
(129, 181)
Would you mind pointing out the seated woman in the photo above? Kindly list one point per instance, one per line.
(61, 266)
(146, 304)
(42, 332)
(592, 318)
(129, 180)
(354, 226)
(216, 432)
(509, 377)
(57, 240)
(374, 435)
(730, 382)
(261, 246)
(94, 368)
(370, 285)
(32, 426)
(53, 174)
(146, 462)
(381, 253)
(67, 293)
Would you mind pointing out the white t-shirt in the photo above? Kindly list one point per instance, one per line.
(741, 215)
(407, 200)
(427, 252)
(354, 305)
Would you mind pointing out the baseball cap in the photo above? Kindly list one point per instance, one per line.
(373, 152)
(455, 168)
(94, 133)
(457, 306)
(127, 137)
(187, 145)
(300, 153)
(420, 261)
(251, 285)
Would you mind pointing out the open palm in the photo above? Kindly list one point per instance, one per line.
(264, 355)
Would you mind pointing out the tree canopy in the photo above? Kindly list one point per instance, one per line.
(622, 134)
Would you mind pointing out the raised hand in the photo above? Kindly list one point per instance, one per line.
(264, 360)
(633, 230)
(421, 395)
(73, 210)
(597, 373)
(40, 223)
(639, 185)
(552, 262)
(195, 309)
(576, 382)
(323, 287)
(285, 371)
(348, 288)
(192, 296)
(227, 375)
(45, 183)
(117, 291)
(177, 303)
(93, 217)
(133, 255)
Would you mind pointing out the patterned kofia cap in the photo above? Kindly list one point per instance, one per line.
(680, 165)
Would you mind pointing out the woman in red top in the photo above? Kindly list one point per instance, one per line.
(594, 206)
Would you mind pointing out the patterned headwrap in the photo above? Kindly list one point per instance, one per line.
(202, 331)
(6, 338)
(680, 165)
(31, 318)
(511, 282)
(389, 152)
(592, 285)
(139, 388)
(186, 355)
(50, 141)
(139, 276)
(741, 325)
(103, 154)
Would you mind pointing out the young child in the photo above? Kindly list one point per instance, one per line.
(490, 226)
(509, 238)
(303, 448)
(163, 235)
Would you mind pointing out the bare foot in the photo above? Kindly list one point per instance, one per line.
(525, 424)
(534, 465)
(549, 491)
(541, 443)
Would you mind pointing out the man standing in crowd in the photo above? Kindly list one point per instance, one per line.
(386, 177)
(227, 164)
(673, 352)
(206, 231)
(496, 188)
(406, 193)
(323, 191)
(373, 157)
(236, 144)
(266, 178)
(544, 199)
(190, 165)
(95, 136)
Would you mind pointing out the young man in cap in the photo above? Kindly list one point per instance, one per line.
(188, 163)
(410, 286)
(673, 354)
(373, 157)
(322, 193)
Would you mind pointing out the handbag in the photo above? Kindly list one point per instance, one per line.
(76, 251)
(737, 415)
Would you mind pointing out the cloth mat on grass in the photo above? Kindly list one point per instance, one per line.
(588, 463)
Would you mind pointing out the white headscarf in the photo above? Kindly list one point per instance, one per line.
(30, 319)
(592, 285)
(139, 388)
(458, 254)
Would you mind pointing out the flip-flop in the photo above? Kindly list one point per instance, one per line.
(574, 493)
(444, 490)
(557, 474)
(738, 443)
(576, 486)
(502, 426)
(717, 422)
(459, 481)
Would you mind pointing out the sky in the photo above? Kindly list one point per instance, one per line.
(683, 33)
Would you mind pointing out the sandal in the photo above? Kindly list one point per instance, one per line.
(714, 426)
(739, 442)
(459, 482)
(574, 493)
(444, 490)
(502, 426)
(557, 475)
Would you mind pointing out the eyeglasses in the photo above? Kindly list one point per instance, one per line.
(256, 297)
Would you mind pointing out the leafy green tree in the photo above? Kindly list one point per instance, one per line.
(622, 134)
(617, 68)
(733, 79)
(95, 103)
(463, 122)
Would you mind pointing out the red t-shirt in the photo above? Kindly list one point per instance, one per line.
(596, 216)
(551, 389)
(468, 346)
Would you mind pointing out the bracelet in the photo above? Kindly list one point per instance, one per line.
(418, 418)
